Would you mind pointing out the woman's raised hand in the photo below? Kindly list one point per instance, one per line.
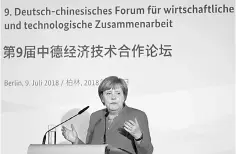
(70, 135)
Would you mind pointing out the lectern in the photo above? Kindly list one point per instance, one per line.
(66, 149)
(74, 149)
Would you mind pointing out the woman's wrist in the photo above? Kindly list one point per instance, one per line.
(139, 138)
(76, 141)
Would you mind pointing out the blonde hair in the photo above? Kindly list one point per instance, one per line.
(113, 82)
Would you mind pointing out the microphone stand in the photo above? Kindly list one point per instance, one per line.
(105, 131)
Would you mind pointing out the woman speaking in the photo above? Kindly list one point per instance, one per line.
(118, 125)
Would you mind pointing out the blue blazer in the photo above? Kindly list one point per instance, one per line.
(116, 136)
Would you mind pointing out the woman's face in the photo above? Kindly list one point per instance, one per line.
(113, 99)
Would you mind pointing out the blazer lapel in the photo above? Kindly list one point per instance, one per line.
(119, 120)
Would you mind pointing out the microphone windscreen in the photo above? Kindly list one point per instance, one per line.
(84, 109)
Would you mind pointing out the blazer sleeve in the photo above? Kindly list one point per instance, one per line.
(145, 146)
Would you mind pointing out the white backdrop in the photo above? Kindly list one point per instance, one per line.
(188, 98)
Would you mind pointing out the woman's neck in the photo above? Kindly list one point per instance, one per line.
(115, 112)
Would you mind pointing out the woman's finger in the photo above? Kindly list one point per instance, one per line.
(133, 123)
(136, 121)
(127, 129)
(64, 128)
(129, 124)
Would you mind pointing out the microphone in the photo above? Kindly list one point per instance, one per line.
(84, 109)
(80, 112)
(105, 131)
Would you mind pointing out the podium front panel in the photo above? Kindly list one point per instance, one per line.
(66, 149)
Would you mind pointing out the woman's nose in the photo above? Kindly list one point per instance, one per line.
(113, 96)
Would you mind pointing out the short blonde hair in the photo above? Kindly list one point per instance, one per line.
(113, 82)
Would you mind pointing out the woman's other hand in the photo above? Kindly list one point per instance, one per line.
(133, 128)
(70, 135)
